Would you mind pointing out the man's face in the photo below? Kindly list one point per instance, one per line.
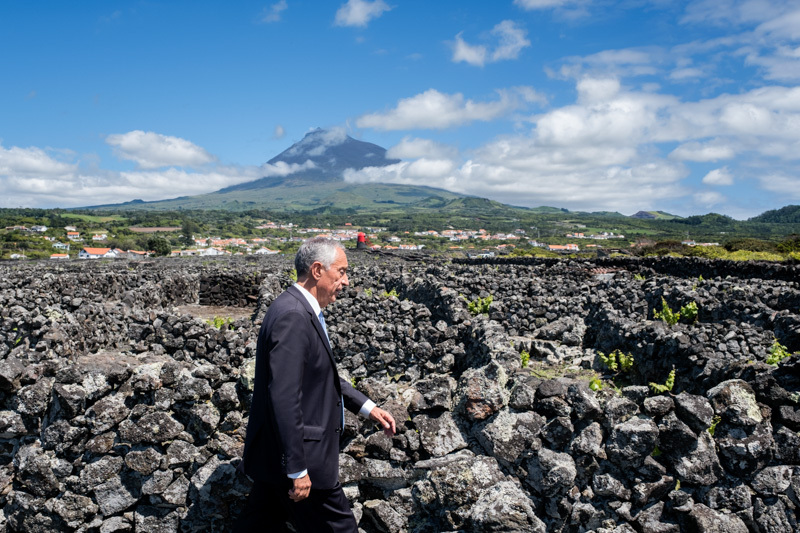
(332, 280)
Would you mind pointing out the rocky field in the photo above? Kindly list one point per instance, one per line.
(123, 409)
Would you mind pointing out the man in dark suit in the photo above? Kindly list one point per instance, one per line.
(297, 414)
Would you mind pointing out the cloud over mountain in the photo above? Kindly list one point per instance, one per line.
(152, 150)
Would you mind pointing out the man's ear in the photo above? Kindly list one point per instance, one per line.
(316, 270)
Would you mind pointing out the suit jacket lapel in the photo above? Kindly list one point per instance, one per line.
(315, 321)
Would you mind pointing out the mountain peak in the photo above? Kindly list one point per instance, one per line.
(320, 156)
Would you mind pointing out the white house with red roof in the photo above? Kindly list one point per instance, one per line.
(97, 253)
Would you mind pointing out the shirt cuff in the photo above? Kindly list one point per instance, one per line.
(367, 408)
(298, 475)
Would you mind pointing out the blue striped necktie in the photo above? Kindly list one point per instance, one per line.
(324, 327)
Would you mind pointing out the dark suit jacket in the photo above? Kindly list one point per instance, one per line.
(296, 413)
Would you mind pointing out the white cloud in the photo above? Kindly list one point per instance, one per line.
(273, 12)
(689, 73)
(785, 185)
(510, 41)
(318, 142)
(541, 4)
(708, 199)
(435, 110)
(360, 12)
(17, 161)
(606, 151)
(279, 132)
(414, 148)
(719, 176)
(736, 12)
(81, 188)
(152, 150)
(472, 54)
(703, 152)
(32, 177)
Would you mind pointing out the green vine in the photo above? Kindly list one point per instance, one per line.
(667, 386)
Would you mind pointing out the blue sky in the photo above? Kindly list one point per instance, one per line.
(688, 107)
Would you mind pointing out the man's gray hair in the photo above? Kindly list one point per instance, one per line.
(317, 249)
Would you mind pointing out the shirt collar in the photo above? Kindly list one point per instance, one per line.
(311, 300)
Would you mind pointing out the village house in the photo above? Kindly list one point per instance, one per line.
(59, 256)
(563, 247)
(39, 229)
(266, 251)
(99, 237)
(61, 246)
(73, 236)
(97, 253)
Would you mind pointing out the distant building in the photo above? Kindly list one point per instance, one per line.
(39, 229)
(96, 253)
(59, 256)
(73, 236)
(266, 251)
(563, 247)
(61, 246)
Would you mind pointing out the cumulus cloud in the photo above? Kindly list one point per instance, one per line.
(435, 110)
(360, 12)
(17, 161)
(612, 149)
(719, 176)
(81, 187)
(273, 12)
(788, 186)
(37, 177)
(472, 54)
(413, 148)
(152, 150)
(509, 40)
(279, 132)
(708, 199)
(703, 152)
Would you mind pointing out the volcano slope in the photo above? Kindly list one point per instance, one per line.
(123, 401)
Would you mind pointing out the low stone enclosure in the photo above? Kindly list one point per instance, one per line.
(122, 409)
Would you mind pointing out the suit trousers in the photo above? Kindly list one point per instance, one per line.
(269, 508)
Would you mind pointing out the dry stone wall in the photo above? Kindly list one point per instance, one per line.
(121, 412)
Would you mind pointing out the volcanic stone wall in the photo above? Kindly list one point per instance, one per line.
(120, 412)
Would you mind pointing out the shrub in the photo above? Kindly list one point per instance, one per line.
(390, 294)
(777, 353)
(689, 312)
(480, 306)
(525, 358)
(750, 245)
(220, 321)
(667, 386)
(617, 360)
(666, 314)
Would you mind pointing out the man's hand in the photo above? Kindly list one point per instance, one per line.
(384, 419)
(301, 489)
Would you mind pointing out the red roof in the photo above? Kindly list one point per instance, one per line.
(96, 251)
